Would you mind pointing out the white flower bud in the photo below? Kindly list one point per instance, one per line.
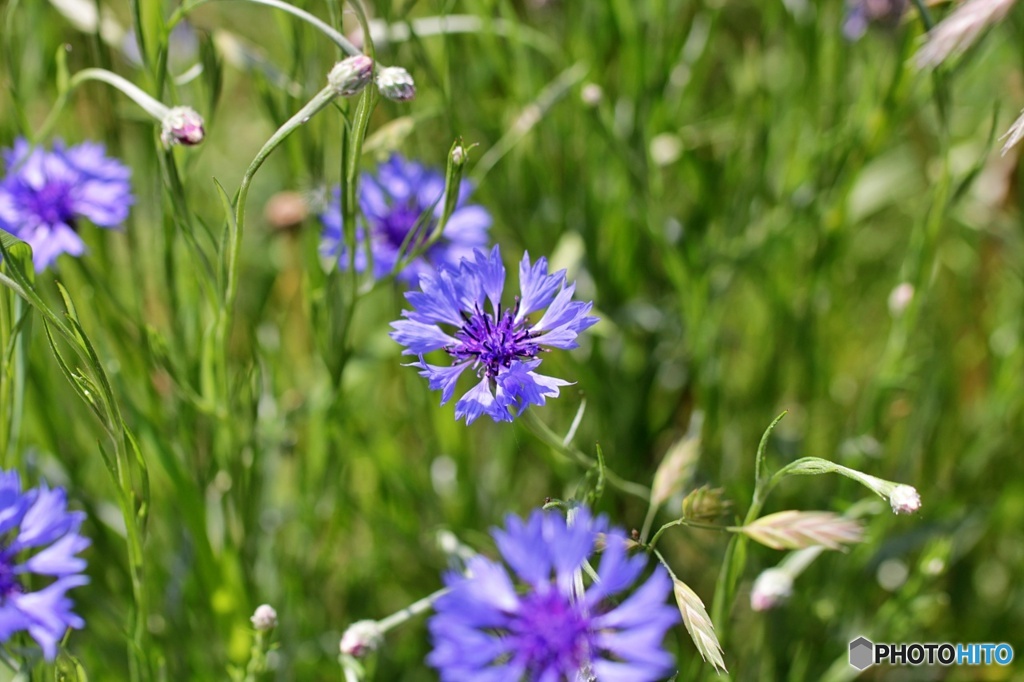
(351, 75)
(904, 499)
(458, 156)
(265, 617)
(182, 125)
(771, 588)
(361, 638)
(396, 83)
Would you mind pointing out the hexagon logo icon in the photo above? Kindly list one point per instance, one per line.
(862, 653)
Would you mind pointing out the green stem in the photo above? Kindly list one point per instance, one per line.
(338, 39)
(153, 107)
(542, 431)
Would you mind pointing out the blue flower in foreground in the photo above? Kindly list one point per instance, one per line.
(489, 629)
(45, 194)
(401, 205)
(38, 535)
(501, 345)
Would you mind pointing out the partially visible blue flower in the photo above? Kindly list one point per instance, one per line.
(401, 205)
(38, 540)
(491, 627)
(45, 194)
(861, 13)
(500, 344)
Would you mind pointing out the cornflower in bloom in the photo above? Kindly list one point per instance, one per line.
(38, 535)
(500, 344)
(45, 194)
(551, 627)
(401, 205)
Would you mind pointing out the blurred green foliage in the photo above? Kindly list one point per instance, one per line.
(736, 186)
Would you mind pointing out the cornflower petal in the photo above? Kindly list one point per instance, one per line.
(420, 338)
(491, 272)
(479, 401)
(441, 378)
(537, 287)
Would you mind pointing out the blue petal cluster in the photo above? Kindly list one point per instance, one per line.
(45, 194)
(38, 535)
(401, 205)
(488, 628)
(500, 344)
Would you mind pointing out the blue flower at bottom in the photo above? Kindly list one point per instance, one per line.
(401, 205)
(38, 535)
(45, 194)
(500, 344)
(489, 629)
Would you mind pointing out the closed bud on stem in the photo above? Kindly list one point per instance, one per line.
(395, 83)
(772, 587)
(182, 125)
(459, 155)
(264, 618)
(904, 499)
(362, 637)
(351, 75)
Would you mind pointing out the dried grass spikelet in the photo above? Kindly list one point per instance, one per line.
(957, 32)
(698, 624)
(799, 529)
(1014, 134)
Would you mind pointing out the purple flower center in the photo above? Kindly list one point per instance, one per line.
(51, 203)
(399, 222)
(494, 344)
(8, 578)
(551, 634)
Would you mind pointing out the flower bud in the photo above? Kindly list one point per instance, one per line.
(771, 588)
(361, 638)
(396, 83)
(904, 499)
(265, 618)
(351, 75)
(458, 155)
(182, 125)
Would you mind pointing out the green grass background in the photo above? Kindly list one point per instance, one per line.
(739, 204)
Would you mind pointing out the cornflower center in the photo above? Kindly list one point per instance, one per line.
(494, 344)
(52, 203)
(395, 227)
(9, 583)
(551, 633)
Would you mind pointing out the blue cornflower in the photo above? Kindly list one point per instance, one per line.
(501, 345)
(38, 535)
(550, 628)
(45, 194)
(401, 205)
